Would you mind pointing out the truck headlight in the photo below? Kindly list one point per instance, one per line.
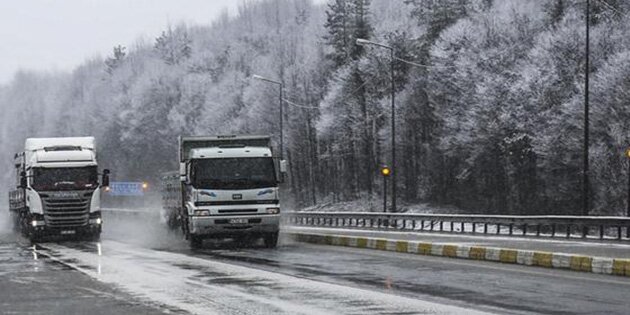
(202, 212)
(273, 210)
(96, 221)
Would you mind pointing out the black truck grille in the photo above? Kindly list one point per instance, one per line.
(66, 212)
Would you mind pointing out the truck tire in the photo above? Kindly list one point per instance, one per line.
(94, 237)
(271, 239)
(25, 227)
(34, 237)
(15, 221)
(196, 242)
(172, 222)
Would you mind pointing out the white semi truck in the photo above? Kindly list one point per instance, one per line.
(57, 189)
(227, 187)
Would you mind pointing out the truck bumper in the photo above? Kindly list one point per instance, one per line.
(224, 226)
(41, 229)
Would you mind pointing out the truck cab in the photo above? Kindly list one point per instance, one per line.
(58, 191)
(229, 189)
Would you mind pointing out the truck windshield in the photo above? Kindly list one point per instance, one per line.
(233, 173)
(67, 178)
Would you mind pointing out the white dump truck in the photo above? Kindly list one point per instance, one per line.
(227, 187)
(58, 191)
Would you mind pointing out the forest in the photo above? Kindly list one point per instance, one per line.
(489, 105)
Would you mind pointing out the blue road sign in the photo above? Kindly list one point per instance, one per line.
(126, 189)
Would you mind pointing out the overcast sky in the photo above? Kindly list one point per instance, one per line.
(60, 34)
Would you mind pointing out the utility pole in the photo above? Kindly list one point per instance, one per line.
(585, 173)
(281, 86)
(392, 60)
(628, 174)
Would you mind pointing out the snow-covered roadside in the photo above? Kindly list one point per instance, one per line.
(376, 205)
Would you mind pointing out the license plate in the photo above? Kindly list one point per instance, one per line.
(238, 221)
(68, 232)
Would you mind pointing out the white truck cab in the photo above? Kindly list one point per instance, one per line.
(58, 192)
(229, 189)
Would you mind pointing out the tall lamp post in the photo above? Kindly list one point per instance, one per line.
(361, 41)
(585, 187)
(258, 77)
(628, 204)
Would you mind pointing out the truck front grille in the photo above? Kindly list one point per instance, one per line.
(62, 212)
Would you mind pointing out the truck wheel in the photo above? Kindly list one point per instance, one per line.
(184, 226)
(25, 228)
(271, 239)
(196, 242)
(34, 237)
(15, 220)
(94, 237)
(172, 222)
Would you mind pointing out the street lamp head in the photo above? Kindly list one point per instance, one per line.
(261, 78)
(361, 41)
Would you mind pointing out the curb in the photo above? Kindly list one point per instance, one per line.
(600, 265)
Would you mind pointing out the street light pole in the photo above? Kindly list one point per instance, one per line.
(261, 78)
(361, 41)
(585, 188)
(391, 50)
(628, 174)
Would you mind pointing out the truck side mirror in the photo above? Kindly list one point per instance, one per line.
(23, 180)
(183, 167)
(105, 181)
(188, 173)
(283, 166)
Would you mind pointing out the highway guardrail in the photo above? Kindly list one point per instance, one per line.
(609, 228)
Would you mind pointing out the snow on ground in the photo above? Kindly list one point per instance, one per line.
(376, 205)
(203, 286)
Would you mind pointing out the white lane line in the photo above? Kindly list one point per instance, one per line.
(204, 286)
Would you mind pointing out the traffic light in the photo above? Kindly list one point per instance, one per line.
(386, 171)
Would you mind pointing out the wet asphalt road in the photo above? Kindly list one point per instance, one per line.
(139, 268)
(35, 284)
